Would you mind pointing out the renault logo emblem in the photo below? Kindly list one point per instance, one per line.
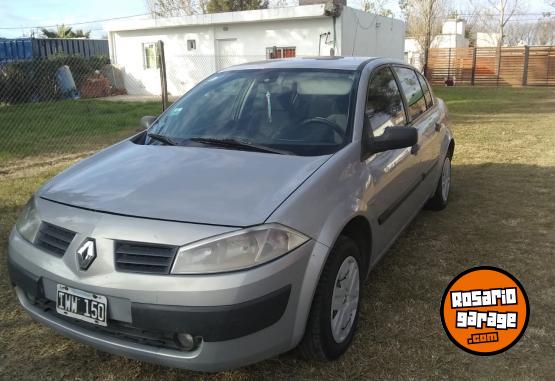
(86, 253)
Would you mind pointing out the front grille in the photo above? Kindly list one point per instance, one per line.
(144, 257)
(116, 329)
(53, 239)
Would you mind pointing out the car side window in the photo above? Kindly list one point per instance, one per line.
(384, 106)
(426, 89)
(413, 91)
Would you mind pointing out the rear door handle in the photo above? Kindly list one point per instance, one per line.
(415, 148)
(439, 126)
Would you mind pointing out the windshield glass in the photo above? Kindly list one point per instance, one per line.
(301, 111)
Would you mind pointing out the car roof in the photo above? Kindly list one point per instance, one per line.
(337, 62)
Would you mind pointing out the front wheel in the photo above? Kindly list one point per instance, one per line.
(335, 308)
(441, 195)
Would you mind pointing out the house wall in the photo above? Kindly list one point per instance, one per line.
(487, 40)
(220, 45)
(185, 68)
(449, 41)
(413, 53)
(367, 34)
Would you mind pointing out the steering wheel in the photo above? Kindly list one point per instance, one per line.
(324, 121)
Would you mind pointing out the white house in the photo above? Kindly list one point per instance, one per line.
(487, 40)
(196, 46)
(452, 36)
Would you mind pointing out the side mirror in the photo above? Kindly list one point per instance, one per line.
(146, 121)
(393, 138)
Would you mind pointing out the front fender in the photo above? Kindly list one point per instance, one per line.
(321, 207)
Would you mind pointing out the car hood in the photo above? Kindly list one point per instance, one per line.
(189, 184)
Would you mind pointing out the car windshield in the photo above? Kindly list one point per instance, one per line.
(298, 111)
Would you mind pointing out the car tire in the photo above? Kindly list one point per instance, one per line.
(441, 195)
(321, 341)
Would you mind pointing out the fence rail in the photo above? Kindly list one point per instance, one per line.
(12, 50)
(508, 66)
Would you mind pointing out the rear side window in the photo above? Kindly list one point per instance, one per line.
(426, 89)
(413, 91)
(383, 104)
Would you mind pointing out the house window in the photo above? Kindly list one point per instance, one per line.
(150, 56)
(191, 44)
(280, 52)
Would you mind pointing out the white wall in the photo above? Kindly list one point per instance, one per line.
(127, 52)
(453, 26)
(449, 41)
(371, 35)
(487, 40)
(186, 68)
(414, 54)
(367, 34)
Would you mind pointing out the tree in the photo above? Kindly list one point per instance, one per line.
(176, 8)
(377, 7)
(496, 15)
(423, 19)
(63, 31)
(545, 32)
(215, 6)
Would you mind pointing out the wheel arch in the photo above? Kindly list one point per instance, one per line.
(451, 149)
(360, 231)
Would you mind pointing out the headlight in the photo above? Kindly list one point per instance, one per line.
(237, 250)
(28, 222)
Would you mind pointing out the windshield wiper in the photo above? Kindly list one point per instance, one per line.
(163, 138)
(239, 143)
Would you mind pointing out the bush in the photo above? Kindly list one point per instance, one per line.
(35, 80)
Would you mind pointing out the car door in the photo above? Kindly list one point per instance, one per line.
(391, 174)
(432, 126)
(423, 116)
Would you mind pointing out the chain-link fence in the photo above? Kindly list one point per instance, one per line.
(70, 106)
(63, 105)
(182, 72)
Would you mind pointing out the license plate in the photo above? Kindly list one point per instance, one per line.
(81, 305)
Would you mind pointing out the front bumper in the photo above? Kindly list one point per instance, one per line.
(241, 317)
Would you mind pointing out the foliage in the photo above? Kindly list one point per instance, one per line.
(215, 6)
(176, 8)
(541, 32)
(63, 31)
(493, 16)
(424, 18)
(378, 7)
(35, 80)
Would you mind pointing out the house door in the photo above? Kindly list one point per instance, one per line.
(226, 53)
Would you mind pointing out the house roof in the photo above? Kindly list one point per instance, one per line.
(258, 15)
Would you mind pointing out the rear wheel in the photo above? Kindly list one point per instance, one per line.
(334, 313)
(441, 196)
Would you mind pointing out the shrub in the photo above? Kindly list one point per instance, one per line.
(35, 80)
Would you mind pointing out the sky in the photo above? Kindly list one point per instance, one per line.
(22, 14)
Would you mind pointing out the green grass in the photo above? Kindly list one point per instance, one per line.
(501, 213)
(38, 130)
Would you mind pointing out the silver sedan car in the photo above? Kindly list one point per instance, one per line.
(243, 221)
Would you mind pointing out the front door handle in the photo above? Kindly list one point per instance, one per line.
(415, 148)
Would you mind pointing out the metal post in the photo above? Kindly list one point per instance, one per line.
(449, 66)
(548, 66)
(473, 77)
(498, 63)
(525, 68)
(163, 77)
